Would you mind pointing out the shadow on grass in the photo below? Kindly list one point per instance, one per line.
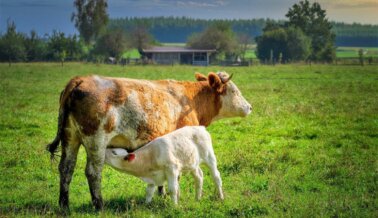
(114, 206)
(124, 205)
(40, 208)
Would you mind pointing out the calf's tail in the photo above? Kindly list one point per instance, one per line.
(63, 116)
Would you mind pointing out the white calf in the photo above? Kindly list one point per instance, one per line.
(165, 157)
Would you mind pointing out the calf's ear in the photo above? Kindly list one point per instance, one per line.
(200, 77)
(129, 157)
(215, 82)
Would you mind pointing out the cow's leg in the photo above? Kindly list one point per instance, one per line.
(66, 169)
(93, 170)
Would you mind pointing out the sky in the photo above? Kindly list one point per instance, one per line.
(44, 16)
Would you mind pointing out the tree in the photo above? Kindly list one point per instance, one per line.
(90, 18)
(74, 48)
(298, 45)
(283, 44)
(113, 44)
(272, 45)
(57, 47)
(35, 47)
(361, 56)
(141, 38)
(244, 40)
(219, 36)
(311, 19)
(12, 44)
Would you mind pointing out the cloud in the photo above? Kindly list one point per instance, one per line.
(201, 4)
(350, 4)
(25, 3)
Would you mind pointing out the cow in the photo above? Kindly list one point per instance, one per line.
(100, 112)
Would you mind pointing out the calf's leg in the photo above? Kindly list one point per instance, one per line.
(172, 176)
(212, 164)
(161, 190)
(150, 192)
(198, 179)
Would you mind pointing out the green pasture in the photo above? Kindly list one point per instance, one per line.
(134, 53)
(352, 52)
(309, 148)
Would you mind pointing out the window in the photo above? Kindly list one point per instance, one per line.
(200, 56)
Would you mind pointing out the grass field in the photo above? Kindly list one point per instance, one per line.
(309, 148)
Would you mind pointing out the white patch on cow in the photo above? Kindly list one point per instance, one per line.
(103, 83)
(145, 83)
(128, 118)
(233, 103)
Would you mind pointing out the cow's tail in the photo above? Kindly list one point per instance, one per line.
(63, 116)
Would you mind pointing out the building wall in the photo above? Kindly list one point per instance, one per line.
(166, 58)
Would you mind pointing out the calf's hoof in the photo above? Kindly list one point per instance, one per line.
(161, 191)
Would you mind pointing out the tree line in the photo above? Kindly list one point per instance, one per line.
(178, 29)
(16, 46)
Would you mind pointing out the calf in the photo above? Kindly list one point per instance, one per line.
(165, 157)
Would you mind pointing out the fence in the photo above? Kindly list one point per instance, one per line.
(255, 61)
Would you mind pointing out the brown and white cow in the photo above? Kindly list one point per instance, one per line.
(100, 112)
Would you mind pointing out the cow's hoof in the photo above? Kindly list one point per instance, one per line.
(63, 204)
(98, 204)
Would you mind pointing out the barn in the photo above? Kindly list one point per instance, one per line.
(178, 55)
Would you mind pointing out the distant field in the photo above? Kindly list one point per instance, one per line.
(134, 53)
(352, 52)
(178, 44)
(309, 148)
(341, 52)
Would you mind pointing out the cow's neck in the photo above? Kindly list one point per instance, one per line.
(205, 102)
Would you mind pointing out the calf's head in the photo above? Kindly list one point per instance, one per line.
(116, 157)
(233, 104)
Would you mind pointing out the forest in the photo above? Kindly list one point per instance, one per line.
(178, 29)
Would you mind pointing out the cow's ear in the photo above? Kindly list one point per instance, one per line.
(129, 157)
(215, 82)
(200, 77)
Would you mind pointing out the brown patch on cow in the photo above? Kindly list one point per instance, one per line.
(205, 104)
(149, 99)
(216, 82)
(88, 101)
(83, 105)
(118, 94)
(110, 124)
(200, 77)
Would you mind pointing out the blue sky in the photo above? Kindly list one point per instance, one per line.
(46, 15)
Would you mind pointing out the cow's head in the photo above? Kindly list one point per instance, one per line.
(233, 104)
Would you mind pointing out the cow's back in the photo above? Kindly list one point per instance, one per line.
(131, 112)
